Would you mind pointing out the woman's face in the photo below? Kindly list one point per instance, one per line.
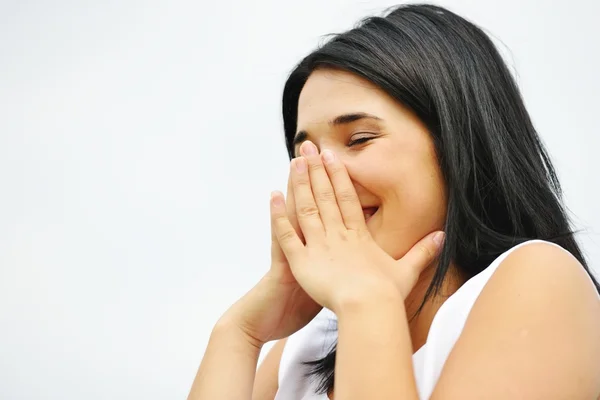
(388, 152)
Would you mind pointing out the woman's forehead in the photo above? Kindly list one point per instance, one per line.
(330, 93)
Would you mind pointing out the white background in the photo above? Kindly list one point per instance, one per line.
(139, 142)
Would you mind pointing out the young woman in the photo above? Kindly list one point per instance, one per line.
(422, 250)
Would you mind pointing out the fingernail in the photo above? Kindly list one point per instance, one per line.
(438, 238)
(309, 148)
(300, 164)
(328, 156)
(276, 199)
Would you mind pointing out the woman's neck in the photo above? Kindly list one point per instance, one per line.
(420, 323)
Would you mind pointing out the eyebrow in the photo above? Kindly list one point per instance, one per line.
(343, 119)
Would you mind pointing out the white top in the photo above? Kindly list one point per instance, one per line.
(316, 339)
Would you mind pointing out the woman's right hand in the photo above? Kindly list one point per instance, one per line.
(277, 306)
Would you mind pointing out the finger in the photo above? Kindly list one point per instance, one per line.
(306, 208)
(290, 203)
(347, 199)
(286, 235)
(422, 254)
(322, 189)
(277, 255)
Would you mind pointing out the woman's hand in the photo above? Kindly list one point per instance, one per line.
(340, 261)
(277, 306)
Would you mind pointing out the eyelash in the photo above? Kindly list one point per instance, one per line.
(361, 140)
(351, 143)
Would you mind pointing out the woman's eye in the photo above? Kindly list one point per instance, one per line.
(360, 140)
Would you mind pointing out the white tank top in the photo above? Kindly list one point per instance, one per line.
(316, 339)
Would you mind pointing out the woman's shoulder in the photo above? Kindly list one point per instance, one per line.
(539, 282)
(532, 267)
(530, 263)
(542, 266)
(535, 305)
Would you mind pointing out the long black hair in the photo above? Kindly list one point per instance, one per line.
(502, 188)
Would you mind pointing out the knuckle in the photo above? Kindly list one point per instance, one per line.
(279, 219)
(315, 166)
(339, 172)
(325, 196)
(425, 251)
(287, 236)
(336, 169)
(347, 196)
(308, 211)
(302, 183)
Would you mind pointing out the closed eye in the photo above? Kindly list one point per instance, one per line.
(360, 140)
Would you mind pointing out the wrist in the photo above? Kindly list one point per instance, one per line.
(374, 348)
(366, 300)
(231, 330)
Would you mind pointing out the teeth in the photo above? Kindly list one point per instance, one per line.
(367, 216)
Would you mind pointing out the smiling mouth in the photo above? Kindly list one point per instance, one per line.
(368, 212)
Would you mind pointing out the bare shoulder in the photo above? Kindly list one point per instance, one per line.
(545, 269)
(536, 324)
(266, 381)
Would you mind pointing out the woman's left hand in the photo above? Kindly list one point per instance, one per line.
(340, 261)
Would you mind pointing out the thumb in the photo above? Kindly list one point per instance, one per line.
(422, 254)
